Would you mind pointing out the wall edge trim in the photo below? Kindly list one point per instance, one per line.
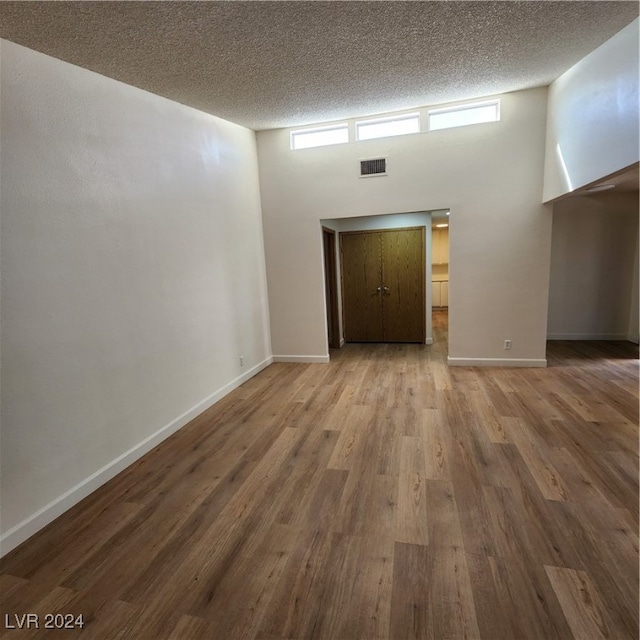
(47, 514)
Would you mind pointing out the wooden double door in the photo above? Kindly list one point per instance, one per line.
(383, 285)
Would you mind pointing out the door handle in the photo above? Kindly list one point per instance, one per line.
(386, 289)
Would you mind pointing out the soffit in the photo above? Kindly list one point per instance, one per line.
(624, 181)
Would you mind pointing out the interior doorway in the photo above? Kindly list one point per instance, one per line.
(331, 287)
(440, 276)
(379, 222)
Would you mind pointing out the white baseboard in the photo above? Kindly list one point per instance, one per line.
(311, 359)
(429, 341)
(496, 362)
(587, 336)
(41, 518)
(342, 342)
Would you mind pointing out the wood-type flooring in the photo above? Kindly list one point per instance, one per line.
(383, 495)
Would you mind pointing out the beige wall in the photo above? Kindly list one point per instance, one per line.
(132, 273)
(489, 175)
(593, 286)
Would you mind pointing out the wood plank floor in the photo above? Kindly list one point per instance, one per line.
(384, 495)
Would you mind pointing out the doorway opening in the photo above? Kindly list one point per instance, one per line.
(340, 226)
(440, 277)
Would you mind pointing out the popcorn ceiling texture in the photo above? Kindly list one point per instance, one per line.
(276, 64)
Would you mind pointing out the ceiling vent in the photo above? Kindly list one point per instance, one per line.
(375, 167)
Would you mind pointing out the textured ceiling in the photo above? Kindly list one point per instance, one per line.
(276, 64)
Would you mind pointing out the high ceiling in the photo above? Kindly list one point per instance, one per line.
(274, 64)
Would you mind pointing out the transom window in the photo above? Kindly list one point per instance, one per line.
(391, 126)
(396, 125)
(463, 115)
(320, 136)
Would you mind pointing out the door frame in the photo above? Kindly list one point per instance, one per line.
(331, 286)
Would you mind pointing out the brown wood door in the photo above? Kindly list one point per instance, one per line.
(403, 278)
(383, 276)
(361, 279)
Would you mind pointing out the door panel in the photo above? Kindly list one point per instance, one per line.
(403, 274)
(395, 261)
(361, 277)
(435, 295)
(444, 293)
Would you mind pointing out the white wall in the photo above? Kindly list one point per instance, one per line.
(592, 128)
(489, 175)
(592, 267)
(132, 274)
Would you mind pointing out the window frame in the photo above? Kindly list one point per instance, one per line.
(464, 107)
(414, 115)
(341, 126)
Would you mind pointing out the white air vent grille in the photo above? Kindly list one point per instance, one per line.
(374, 167)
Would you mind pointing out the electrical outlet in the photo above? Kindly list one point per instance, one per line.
(507, 344)
(242, 361)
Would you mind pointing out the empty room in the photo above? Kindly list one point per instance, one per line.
(319, 320)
